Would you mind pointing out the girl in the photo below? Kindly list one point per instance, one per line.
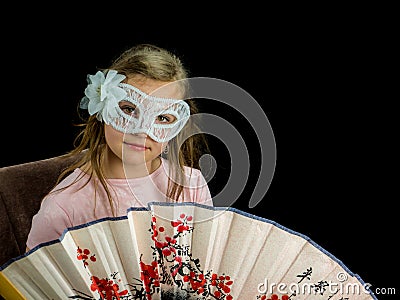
(136, 146)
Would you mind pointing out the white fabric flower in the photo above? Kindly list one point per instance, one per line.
(103, 93)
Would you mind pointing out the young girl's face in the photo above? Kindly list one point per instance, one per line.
(137, 149)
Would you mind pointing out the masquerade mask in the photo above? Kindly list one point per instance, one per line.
(130, 110)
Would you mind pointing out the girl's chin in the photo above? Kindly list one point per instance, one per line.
(134, 161)
(137, 160)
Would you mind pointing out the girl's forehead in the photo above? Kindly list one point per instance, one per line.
(134, 95)
(156, 88)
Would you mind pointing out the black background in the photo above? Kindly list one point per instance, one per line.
(324, 80)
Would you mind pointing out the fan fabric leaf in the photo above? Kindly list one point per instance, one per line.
(180, 251)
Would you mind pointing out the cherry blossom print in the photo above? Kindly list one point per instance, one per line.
(85, 256)
(172, 271)
(107, 288)
(273, 297)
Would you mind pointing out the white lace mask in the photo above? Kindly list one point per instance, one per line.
(106, 96)
(147, 112)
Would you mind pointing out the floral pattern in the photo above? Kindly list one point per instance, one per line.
(273, 297)
(173, 271)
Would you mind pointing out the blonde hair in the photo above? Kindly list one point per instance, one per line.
(154, 63)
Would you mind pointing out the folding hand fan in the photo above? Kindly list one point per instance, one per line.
(180, 251)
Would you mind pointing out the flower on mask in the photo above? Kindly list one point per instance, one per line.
(103, 94)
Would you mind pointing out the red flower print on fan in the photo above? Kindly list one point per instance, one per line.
(167, 247)
(210, 284)
(181, 224)
(107, 288)
(83, 255)
(273, 297)
(177, 265)
(172, 267)
(150, 278)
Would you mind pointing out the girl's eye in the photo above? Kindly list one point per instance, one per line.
(165, 119)
(128, 108)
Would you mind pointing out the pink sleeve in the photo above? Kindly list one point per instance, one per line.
(48, 224)
(202, 193)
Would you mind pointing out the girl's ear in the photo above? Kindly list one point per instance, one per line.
(166, 149)
(164, 152)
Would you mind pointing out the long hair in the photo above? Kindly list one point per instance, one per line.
(184, 150)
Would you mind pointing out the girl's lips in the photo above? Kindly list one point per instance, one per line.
(136, 147)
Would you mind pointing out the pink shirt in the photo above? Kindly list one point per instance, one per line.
(77, 205)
